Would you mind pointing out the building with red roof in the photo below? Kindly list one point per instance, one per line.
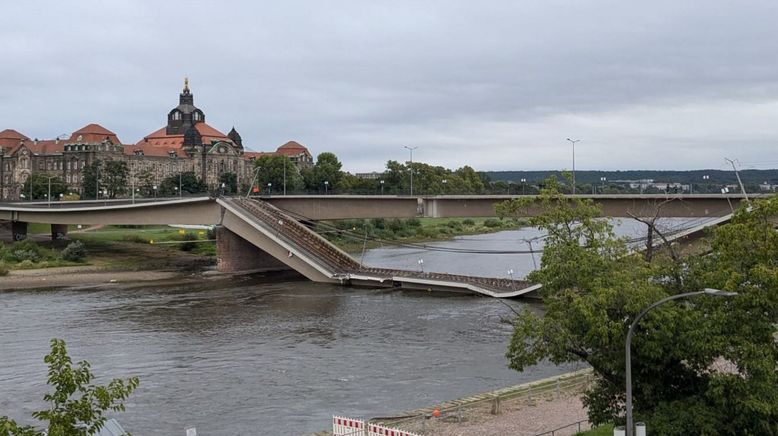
(185, 144)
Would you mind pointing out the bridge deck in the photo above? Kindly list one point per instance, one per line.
(346, 270)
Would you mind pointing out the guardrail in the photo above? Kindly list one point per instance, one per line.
(565, 427)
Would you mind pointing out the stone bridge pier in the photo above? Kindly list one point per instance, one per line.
(235, 254)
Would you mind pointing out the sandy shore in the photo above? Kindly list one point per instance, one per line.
(82, 276)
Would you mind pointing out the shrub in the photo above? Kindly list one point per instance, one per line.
(26, 264)
(28, 246)
(378, 223)
(395, 225)
(3, 269)
(74, 252)
(188, 245)
(211, 233)
(468, 222)
(413, 222)
(492, 223)
(134, 238)
(456, 225)
(26, 255)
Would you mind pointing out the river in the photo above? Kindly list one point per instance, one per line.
(256, 355)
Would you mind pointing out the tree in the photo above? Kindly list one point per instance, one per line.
(272, 171)
(593, 286)
(114, 178)
(326, 169)
(76, 406)
(230, 182)
(40, 186)
(188, 181)
(109, 178)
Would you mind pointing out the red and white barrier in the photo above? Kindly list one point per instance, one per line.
(380, 430)
(347, 427)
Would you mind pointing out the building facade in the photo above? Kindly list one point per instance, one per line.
(186, 143)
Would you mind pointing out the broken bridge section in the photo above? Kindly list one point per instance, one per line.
(294, 245)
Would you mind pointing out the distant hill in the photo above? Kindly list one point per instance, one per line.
(694, 176)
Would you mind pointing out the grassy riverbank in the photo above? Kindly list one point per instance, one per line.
(352, 235)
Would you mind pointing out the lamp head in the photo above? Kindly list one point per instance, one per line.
(719, 292)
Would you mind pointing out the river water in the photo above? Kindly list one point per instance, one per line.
(256, 355)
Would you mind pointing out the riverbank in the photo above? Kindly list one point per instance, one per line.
(550, 404)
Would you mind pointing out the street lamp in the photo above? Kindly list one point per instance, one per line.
(724, 192)
(523, 186)
(410, 167)
(573, 141)
(382, 187)
(706, 291)
(603, 179)
(269, 188)
(444, 185)
(421, 265)
(155, 191)
(326, 187)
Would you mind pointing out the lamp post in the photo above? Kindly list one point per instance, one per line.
(382, 187)
(627, 357)
(573, 141)
(49, 194)
(444, 181)
(410, 167)
(326, 187)
(269, 189)
(155, 191)
(523, 186)
(724, 192)
(603, 179)
(285, 161)
(421, 265)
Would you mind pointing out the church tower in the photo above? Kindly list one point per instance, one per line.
(185, 115)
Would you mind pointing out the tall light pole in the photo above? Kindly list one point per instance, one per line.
(444, 185)
(326, 187)
(706, 291)
(410, 167)
(382, 187)
(523, 186)
(573, 141)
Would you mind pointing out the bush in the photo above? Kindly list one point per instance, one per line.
(26, 255)
(413, 222)
(468, 222)
(3, 269)
(378, 223)
(492, 223)
(456, 225)
(188, 245)
(211, 233)
(395, 225)
(26, 264)
(134, 238)
(74, 252)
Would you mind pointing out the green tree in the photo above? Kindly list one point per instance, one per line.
(327, 169)
(114, 178)
(230, 182)
(593, 286)
(271, 170)
(76, 407)
(111, 177)
(40, 186)
(188, 181)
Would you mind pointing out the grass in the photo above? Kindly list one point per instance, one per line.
(603, 430)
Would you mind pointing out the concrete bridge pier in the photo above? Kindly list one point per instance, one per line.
(59, 232)
(18, 230)
(235, 254)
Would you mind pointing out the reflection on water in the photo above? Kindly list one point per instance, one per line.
(245, 355)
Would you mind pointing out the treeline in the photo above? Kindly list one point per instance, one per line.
(691, 176)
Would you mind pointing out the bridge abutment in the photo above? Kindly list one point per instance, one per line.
(234, 254)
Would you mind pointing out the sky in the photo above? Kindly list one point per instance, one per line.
(497, 85)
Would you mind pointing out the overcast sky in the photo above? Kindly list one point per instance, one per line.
(491, 84)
